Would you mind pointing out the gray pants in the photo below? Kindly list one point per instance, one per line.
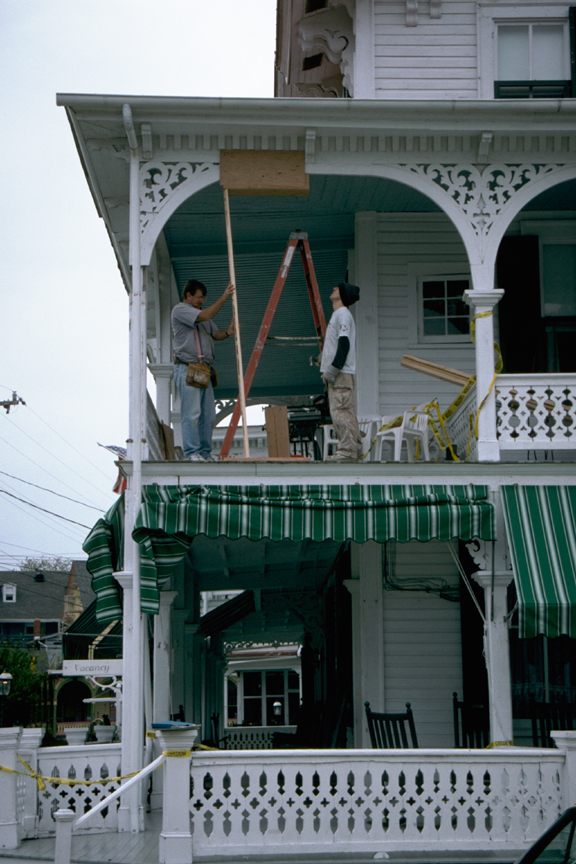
(343, 413)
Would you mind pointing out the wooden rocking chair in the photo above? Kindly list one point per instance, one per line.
(388, 731)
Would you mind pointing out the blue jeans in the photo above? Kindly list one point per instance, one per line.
(197, 414)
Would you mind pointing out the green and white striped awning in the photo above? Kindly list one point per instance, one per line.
(541, 528)
(171, 516)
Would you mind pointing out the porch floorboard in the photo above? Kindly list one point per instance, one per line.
(126, 848)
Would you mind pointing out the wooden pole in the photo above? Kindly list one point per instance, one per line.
(240, 368)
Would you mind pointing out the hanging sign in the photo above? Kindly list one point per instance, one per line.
(92, 668)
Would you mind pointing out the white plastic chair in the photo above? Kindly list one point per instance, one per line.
(414, 427)
(330, 443)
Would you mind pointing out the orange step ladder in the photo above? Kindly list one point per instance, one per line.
(297, 240)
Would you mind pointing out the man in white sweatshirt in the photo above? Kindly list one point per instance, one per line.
(338, 370)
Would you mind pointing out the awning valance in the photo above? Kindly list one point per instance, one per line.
(171, 516)
(541, 528)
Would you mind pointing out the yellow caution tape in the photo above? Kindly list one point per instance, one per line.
(499, 744)
(62, 781)
(150, 733)
(180, 754)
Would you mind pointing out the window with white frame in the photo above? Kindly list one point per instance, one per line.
(9, 593)
(444, 315)
(525, 53)
(269, 697)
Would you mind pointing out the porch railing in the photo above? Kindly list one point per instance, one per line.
(536, 412)
(364, 801)
(252, 737)
(87, 762)
(458, 427)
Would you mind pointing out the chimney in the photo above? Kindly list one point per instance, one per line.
(39, 577)
(37, 628)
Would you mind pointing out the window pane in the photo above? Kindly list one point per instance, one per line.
(433, 289)
(548, 52)
(433, 308)
(274, 683)
(293, 681)
(252, 712)
(513, 53)
(458, 326)
(434, 327)
(456, 287)
(559, 266)
(457, 307)
(252, 683)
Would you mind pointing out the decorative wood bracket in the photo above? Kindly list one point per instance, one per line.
(330, 32)
(411, 13)
(435, 8)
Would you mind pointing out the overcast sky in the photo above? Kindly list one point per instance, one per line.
(64, 310)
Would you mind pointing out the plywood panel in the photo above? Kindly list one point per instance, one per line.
(264, 172)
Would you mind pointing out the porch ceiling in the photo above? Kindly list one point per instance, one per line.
(196, 241)
(224, 564)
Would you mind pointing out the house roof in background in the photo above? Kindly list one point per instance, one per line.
(43, 600)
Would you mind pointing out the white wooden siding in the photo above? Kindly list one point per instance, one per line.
(406, 239)
(422, 644)
(437, 59)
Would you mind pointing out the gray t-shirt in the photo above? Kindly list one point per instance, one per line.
(341, 324)
(183, 326)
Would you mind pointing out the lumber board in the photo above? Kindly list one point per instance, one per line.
(435, 370)
(264, 172)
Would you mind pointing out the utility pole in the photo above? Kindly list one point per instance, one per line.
(16, 400)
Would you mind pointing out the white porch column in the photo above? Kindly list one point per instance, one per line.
(366, 315)
(497, 652)
(162, 666)
(10, 829)
(162, 373)
(367, 635)
(482, 299)
(162, 696)
(131, 811)
(175, 842)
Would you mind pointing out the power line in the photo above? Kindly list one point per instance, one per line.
(5, 492)
(38, 465)
(44, 489)
(47, 595)
(57, 458)
(46, 524)
(67, 442)
(40, 551)
(24, 499)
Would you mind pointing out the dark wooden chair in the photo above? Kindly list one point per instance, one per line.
(471, 724)
(546, 716)
(388, 731)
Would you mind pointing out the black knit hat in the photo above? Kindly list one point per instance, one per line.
(349, 294)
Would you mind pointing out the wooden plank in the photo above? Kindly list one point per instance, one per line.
(277, 431)
(169, 452)
(435, 370)
(264, 172)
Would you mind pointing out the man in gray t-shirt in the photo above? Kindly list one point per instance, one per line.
(338, 370)
(192, 324)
